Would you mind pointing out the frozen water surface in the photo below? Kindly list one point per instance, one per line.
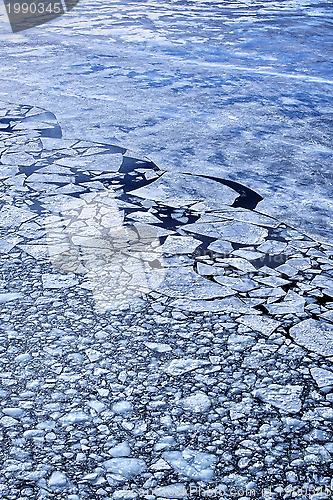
(165, 331)
(240, 90)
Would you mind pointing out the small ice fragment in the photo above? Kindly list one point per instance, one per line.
(74, 417)
(120, 450)
(122, 407)
(23, 358)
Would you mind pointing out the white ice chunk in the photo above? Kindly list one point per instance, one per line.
(179, 245)
(184, 282)
(323, 378)
(247, 254)
(54, 169)
(23, 358)
(210, 270)
(221, 246)
(178, 190)
(11, 216)
(102, 162)
(8, 421)
(160, 465)
(227, 305)
(260, 324)
(192, 464)
(240, 284)
(74, 417)
(36, 251)
(299, 263)
(8, 243)
(93, 355)
(272, 281)
(144, 217)
(120, 450)
(7, 297)
(98, 406)
(13, 412)
(17, 158)
(158, 347)
(287, 270)
(123, 469)
(8, 171)
(272, 247)
(239, 342)
(122, 407)
(180, 366)
(325, 283)
(196, 403)
(236, 232)
(292, 303)
(58, 480)
(53, 178)
(285, 398)
(54, 281)
(238, 263)
(317, 336)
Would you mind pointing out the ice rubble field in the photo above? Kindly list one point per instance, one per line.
(159, 334)
(165, 331)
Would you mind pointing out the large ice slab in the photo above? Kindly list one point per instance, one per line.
(317, 336)
(259, 323)
(178, 190)
(184, 282)
(285, 398)
(234, 231)
(11, 216)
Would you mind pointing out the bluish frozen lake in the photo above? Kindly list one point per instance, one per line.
(240, 90)
(166, 286)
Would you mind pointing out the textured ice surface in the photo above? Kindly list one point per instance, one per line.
(74, 417)
(57, 480)
(238, 92)
(120, 450)
(180, 366)
(124, 468)
(59, 280)
(323, 378)
(325, 283)
(158, 347)
(178, 81)
(315, 335)
(180, 190)
(260, 324)
(122, 407)
(11, 216)
(184, 282)
(227, 304)
(192, 464)
(179, 244)
(197, 403)
(8, 297)
(285, 398)
(236, 232)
